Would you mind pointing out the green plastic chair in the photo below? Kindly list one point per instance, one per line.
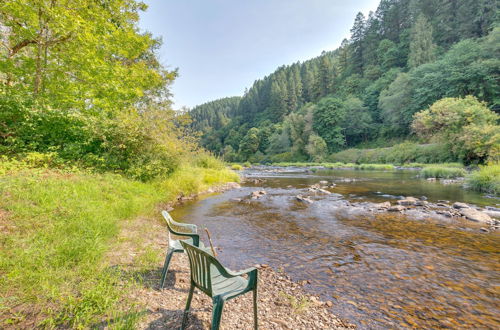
(218, 282)
(182, 230)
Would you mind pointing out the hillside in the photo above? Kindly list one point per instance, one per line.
(399, 60)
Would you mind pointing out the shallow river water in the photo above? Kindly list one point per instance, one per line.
(380, 271)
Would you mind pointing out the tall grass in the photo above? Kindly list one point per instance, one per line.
(487, 179)
(55, 228)
(442, 172)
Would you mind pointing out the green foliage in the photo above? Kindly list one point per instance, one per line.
(487, 179)
(316, 148)
(442, 172)
(404, 153)
(375, 167)
(328, 116)
(81, 55)
(467, 125)
(236, 167)
(422, 48)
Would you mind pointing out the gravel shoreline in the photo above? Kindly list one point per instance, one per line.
(282, 303)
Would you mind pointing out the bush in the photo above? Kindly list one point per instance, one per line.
(442, 172)
(487, 179)
(236, 167)
(142, 146)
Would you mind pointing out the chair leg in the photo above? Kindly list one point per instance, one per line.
(217, 312)
(165, 267)
(188, 304)
(255, 323)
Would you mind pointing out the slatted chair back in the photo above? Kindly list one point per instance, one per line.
(202, 265)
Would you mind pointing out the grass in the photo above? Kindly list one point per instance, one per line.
(378, 167)
(487, 179)
(422, 165)
(55, 229)
(298, 305)
(442, 172)
(375, 167)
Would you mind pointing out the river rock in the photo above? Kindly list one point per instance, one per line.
(324, 183)
(304, 199)
(382, 206)
(475, 215)
(494, 214)
(233, 185)
(408, 201)
(396, 208)
(458, 205)
(258, 194)
(492, 208)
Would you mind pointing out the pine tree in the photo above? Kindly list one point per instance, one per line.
(422, 48)
(357, 36)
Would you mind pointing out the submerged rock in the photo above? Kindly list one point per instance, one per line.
(475, 215)
(408, 201)
(257, 194)
(383, 206)
(304, 199)
(396, 208)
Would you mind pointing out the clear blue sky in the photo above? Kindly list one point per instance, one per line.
(222, 46)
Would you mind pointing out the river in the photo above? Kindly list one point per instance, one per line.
(380, 271)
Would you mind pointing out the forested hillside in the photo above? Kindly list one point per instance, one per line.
(399, 60)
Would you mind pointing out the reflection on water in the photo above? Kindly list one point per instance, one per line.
(381, 271)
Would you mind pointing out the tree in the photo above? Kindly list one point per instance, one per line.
(394, 103)
(466, 124)
(422, 48)
(357, 39)
(327, 122)
(250, 143)
(388, 54)
(84, 55)
(357, 121)
(316, 148)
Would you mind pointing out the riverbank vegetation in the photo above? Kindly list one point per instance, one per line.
(487, 179)
(404, 63)
(88, 139)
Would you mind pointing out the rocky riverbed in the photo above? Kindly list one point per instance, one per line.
(414, 208)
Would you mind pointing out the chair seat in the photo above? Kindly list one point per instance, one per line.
(228, 288)
(175, 245)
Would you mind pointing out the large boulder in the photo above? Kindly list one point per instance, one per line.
(475, 215)
(458, 205)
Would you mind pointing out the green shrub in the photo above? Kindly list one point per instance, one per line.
(236, 167)
(486, 179)
(442, 172)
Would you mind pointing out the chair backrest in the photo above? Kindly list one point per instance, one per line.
(202, 266)
(177, 228)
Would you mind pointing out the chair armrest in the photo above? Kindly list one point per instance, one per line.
(230, 273)
(194, 237)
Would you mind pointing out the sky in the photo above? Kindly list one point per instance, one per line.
(221, 47)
